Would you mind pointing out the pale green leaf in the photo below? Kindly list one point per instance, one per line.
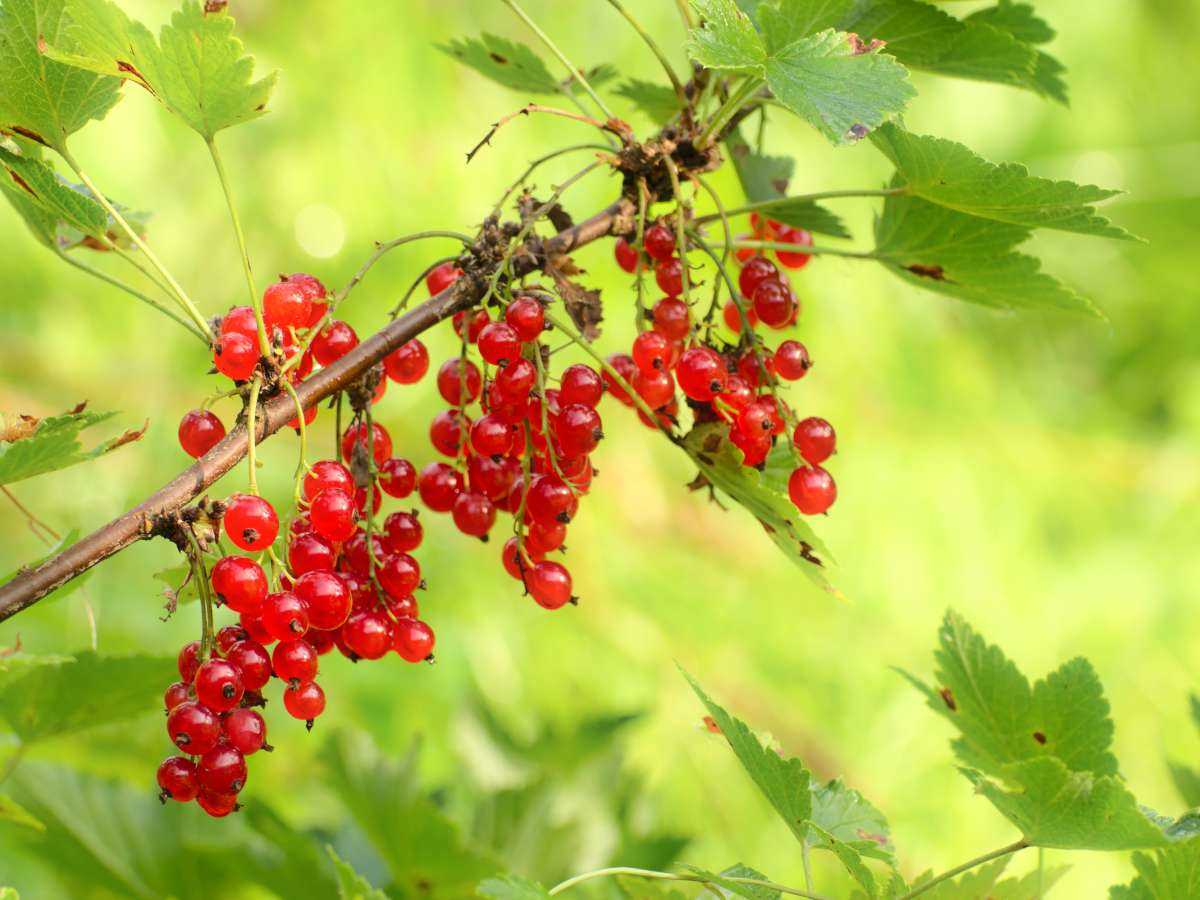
(15, 665)
(41, 99)
(511, 887)
(83, 692)
(784, 21)
(845, 815)
(351, 885)
(53, 445)
(951, 175)
(983, 883)
(61, 203)
(1170, 874)
(657, 101)
(15, 814)
(195, 67)
(806, 214)
(1031, 886)
(7, 893)
(838, 91)
(849, 857)
(762, 177)
(735, 888)
(726, 39)
(763, 494)
(1018, 19)
(509, 63)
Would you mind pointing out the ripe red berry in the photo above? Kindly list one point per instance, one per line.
(407, 364)
(356, 435)
(315, 291)
(526, 317)
(627, 255)
(785, 234)
(656, 387)
(294, 661)
(509, 558)
(327, 598)
(309, 553)
(328, 473)
(397, 477)
(812, 489)
(245, 730)
(217, 805)
(473, 320)
(815, 439)
(493, 478)
(193, 728)
(733, 317)
(332, 514)
(549, 500)
(441, 277)
(188, 661)
(438, 485)
(459, 381)
(737, 396)
(253, 661)
(773, 303)
(474, 514)
(240, 583)
(659, 243)
(402, 532)
(668, 276)
(750, 366)
(286, 304)
(177, 779)
(235, 355)
(199, 432)
(624, 366)
(754, 447)
(446, 432)
(701, 373)
(791, 360)
(241, 320)
(499, 343)
(399, 575)
(491, 435)
(304, 701)
(222, 770)
(368, 634)
(333, 342)
(671, 318)
(549, 584)
(252, 622)
(250, 522)
(542, 539)
(651, 351)
(580, 384)
(756, 271)
(284, 616)
(516, 380)
(228, 636)
(578, 429)
(175, 694)
(413, 640)
(219, 685)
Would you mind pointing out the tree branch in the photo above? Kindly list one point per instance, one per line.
(32, 585)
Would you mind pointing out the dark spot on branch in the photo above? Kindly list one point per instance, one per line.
(948, 698)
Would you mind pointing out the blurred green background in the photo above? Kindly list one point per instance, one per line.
(1039, 474)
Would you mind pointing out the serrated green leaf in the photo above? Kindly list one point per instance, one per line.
(41, 186)
(422, 848)
(15, 814)
(59, 593)
(54, 445)
(984, 883)
(784, 782)
(83, 692)
(844, 814)
(951, 175)
(1031, 886)
(351, 885)
(726, 38)
(762, 495)
(657, 101)
(806, 214)
(967, 257)
(1002, 720)
(850, 858)
(195, 67)
(509, 63)
(15, 665)
(1170, 874)
(784, 21)
(40, 98)
(735, 888)
(511, 887)
(762, 177)
(1018, 19)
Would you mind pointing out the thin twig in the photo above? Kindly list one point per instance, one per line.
(655, 49)
(530, 108)
(969, 864)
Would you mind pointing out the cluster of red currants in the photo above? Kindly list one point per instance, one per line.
(526, 452)
(734, 383)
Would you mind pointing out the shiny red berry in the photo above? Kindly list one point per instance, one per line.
(580, 384)
(651, 351)
(222, 770)
(526, 317)
(326, 597)
(754, 272)
(175, 694)
(438, 485)
(773, 303)
(578, 429)
(199, 432)
(446, 432)
(701, 373)
(356, 435)
(671, 318)
(219, 685)
(188, 661)
(285, 616)
(413, 640)
(459, 381)
(491, 436)
(399, 575)
(193, 728)
(252, 659)
(294, 661)
(245, 730)
(402, 532)
(791, 360)
(785, 234)
(812, 489)
(499, 344)
(235, 355)
(368, 634)
(815, 439)
(177, 779)
(309, 553)
(333, 342)
(624, 366)
(474, 514)
(241, 320)
(286, 304)
(239, 582)
(473, 320)
(328, 473)
(549, 584)
(627, 255)
(441, 277)
(668, 276)
(656, 387)
(305, 701)
(407, 364)
(250, 522)
(516, 380)
(217, 805)
(397, 477)
(549, 500)
(659, 242)
(733, 316)
(332, 514)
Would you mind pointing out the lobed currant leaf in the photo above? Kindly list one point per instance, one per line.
(195, 66)
(511, 887)
(52, 445)
(59, 203)
(985, 882)
(1173, 872)
(657, 101)
(179, 582)
(351, 885)
(727, 39)
(845, 815)
(41, 99)
(517, 67)
(1020, 20)
(762, 177)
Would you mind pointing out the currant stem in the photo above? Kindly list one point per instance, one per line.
(969, 864)
(251, 408)
(34, 522)
(264, 343)
(727, 110)
(533, 167)
(680, 236)
(302, 427)
(541, 385)
(640, 279)
(184, 300)
(716, 198)
(654, 48)
(200, 576)
(673, 876)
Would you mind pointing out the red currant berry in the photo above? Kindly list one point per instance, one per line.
(413, 640)
(368, 634)
(509, 557)
(744, 254)
(624, 366)
(399, 575)
(328, 473)
(671, 318)
(402, 532)
(235, 355)
(333, 342)
(397, 477)
(199, 432)
(627, 255)
(441, 277)
(175, 694)
(651, 351)
(408, 364)
(250, 522)
(737, 396)
(446, 432)
(177, 779)
(305, 701)
(493, 478)
(240, 583)
(356, 435)
(219, 685)
(188, 660)
(491, 436)
(756, 271)
(815, 439)
(327, 598)
(286, 304)
(241, 320)
(499, 343)
(315, 291)
(438, 485)
(578, 430)
(222, 770)
(785, 234)
(701, 373)
(404, 608)
(193, 728)
(812, 489)
(285, 616)
(549, 584)
(252, 622)
(659, 243)
(354, 552)
(656, 387)
(459, 381)
(321, 641)
(549, 500)
(754, 447)
(475, 320)
(668, 276)
(580, 384)
(791, 360)
(542, 539)
(309, 553)
(474, 514)
(245, 730)
(294, 661)
(733, 316)
(516, 380)
(228, 636)
(332, 515)
(218, 806)
(252, 660)
(773, 303)
(526, 317)
(750, 367)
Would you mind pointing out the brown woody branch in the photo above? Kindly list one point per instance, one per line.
(31, 585)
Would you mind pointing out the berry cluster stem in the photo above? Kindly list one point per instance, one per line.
(200, 576)
(251, 433)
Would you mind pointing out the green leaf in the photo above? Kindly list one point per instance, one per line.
(16, 665)
(39, 98)
(762, 177)
(1018, 19)
(951, 175)
(1170, 874)
(52, 445)
(840, 92)
(764, 495)
(351, 885)
(806, 214)
(785, 21)
(59, 593)
(967, 257)
(1002, 720)
(506, 62)
(734, 888)
(12, 812)
(845, 815)
(1187, 782)
(511, 887)
(195, 67)
(422, 848)
(657, 101)
(61, 203)
(984, 883)
(83, 692)
(726, 39)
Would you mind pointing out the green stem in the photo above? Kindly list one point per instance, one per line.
(811, 251)
(716, 199)
(533, 166)
(727, 110)
(200, 576)
(672, 876)
(685, 13)
(640, 278)
(12, 762)
(807, 866)
(302, 465)
(417, 282)
(180, 294)
(553, 48)
(819, 195)
(251, 433)
(654, 48)
(132, 291)
(680, 236)
(264, 343)
(542, 404)
(969, 864)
